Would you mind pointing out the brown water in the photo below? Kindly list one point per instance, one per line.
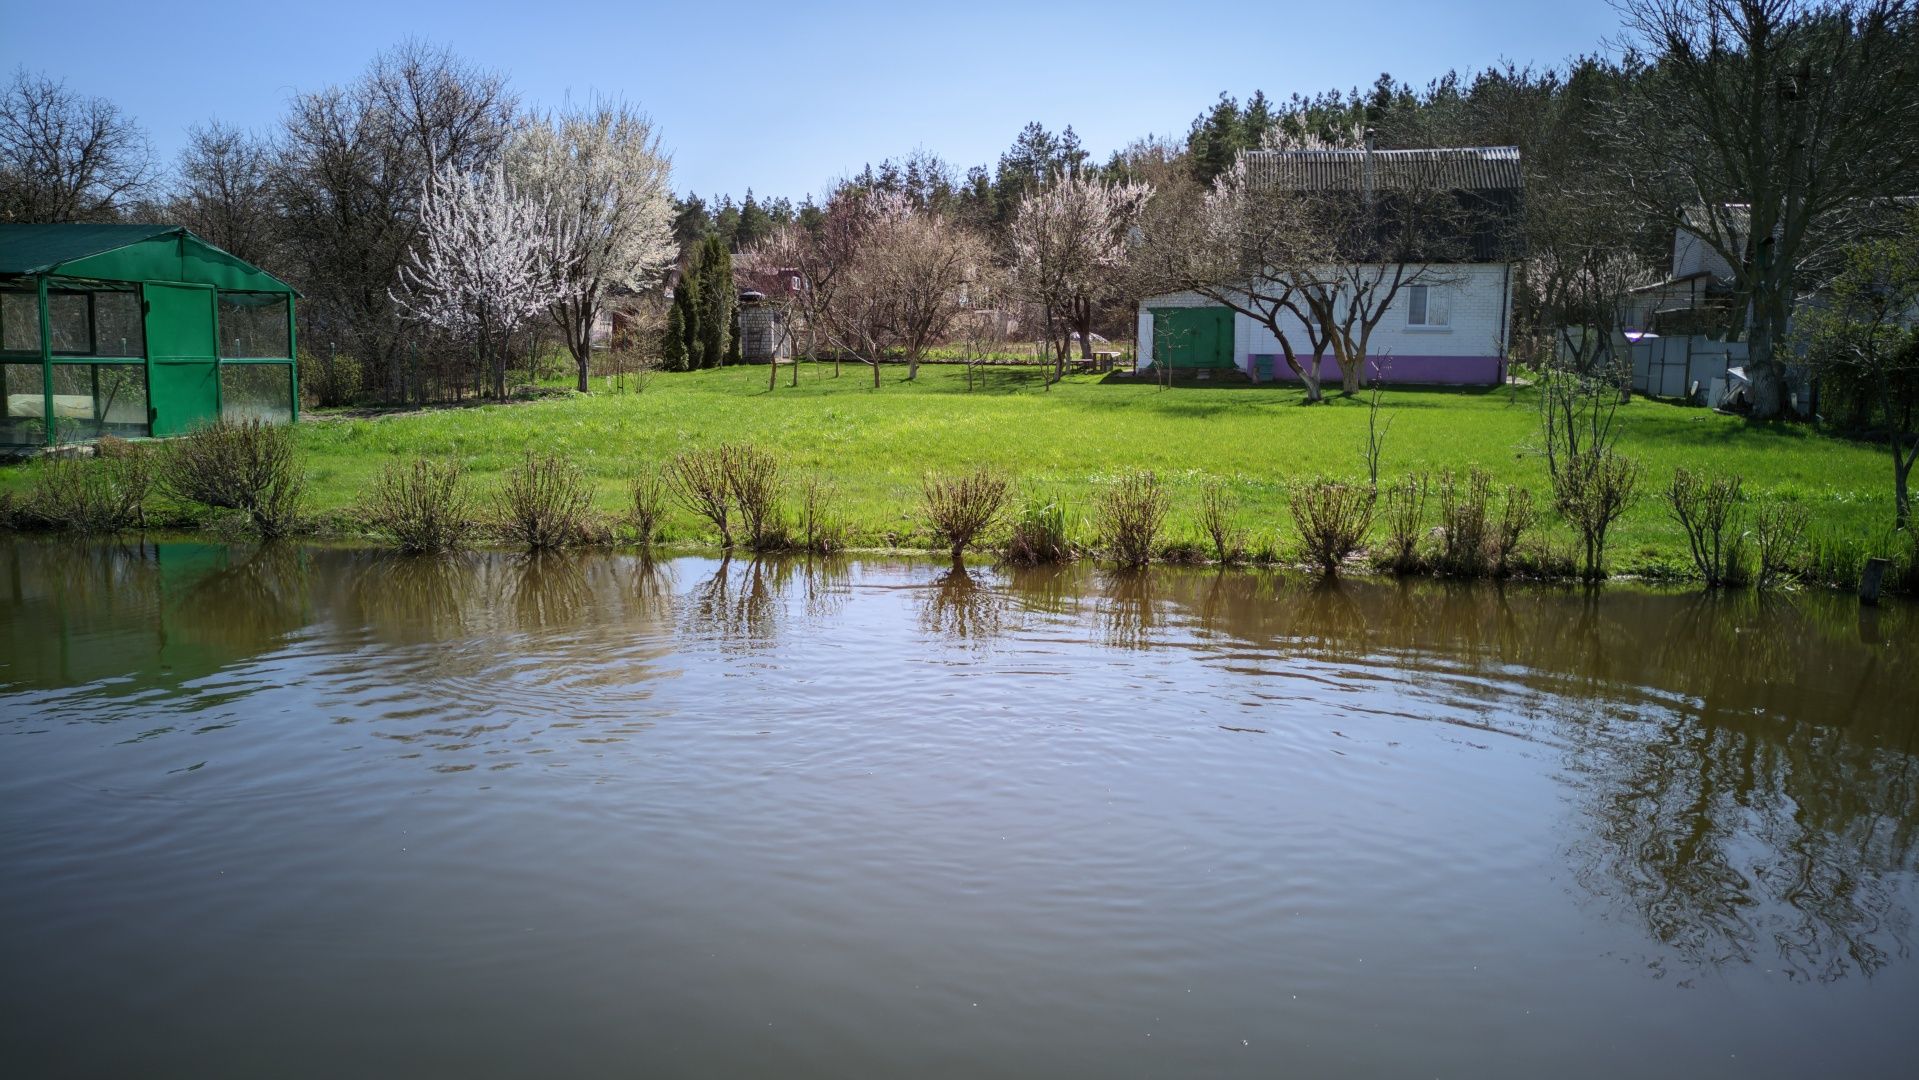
(320, 812)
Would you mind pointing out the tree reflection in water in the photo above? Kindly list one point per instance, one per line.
(961, 607)
(739, 606)
(1741, 767)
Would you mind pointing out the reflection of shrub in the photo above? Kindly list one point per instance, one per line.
(1708, 509)
(1039, 535)
(105, 495)
(1131, 512)
(423, 505)
(248, 466)
(544, 503)
(961, 507)
(1333, 518)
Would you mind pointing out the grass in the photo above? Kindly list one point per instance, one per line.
(1068, 442)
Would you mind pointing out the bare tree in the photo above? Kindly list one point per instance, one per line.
(602, 168)
(1069, 241)
(65, 157)
(1759, 122)
(1246, 248)
(489, 259)
(353, 161)
(224, 191)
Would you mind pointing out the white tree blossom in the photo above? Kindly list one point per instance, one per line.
(1069, 245)
(489, 259)
(602, 169)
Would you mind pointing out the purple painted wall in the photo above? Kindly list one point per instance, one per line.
(1411, 370)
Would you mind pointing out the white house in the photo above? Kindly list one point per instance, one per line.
(1451, 330)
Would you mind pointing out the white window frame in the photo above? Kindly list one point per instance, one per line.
(1420, 308)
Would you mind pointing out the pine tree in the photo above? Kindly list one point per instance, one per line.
(717, 299)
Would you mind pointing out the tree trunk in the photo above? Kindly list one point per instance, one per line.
(1768, 383)
(1901, 478)
(1083, 322)
(1351, 369)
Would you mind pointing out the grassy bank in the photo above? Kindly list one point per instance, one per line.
(1064, 443)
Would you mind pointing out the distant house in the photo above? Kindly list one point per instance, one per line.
(1452, 331)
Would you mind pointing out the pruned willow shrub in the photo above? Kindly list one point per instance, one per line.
(1405, 514)
(544, 503)
(962, 507)
(650, 491)
(1332, 517)
(1779, 540)
(423, 505)
(1131, 512)
(1593, 493)
(250, 466)
(822, 529)
(757, 485)
(106, 494)
(700, 483)
(1217, 508)
(1707, 508)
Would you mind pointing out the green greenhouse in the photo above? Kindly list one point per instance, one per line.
(136, 330)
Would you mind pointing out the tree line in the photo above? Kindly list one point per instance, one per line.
(1782, 133)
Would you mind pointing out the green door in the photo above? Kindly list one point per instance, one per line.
(1188, 338)
(183, 367)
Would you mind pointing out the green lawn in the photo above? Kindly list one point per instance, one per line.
(875, 445)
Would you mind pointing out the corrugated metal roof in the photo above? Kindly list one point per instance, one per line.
(1469, 168)
(36, 249)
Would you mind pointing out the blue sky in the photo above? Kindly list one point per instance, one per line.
(783, 97)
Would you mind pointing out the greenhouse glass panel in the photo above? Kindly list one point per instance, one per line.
(19, 322)
(71, 317)
(256, 392)
(21, 405)
(91, 400)
(118, 328)
(253, 326)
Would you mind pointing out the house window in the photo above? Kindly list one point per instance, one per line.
(1426, 306)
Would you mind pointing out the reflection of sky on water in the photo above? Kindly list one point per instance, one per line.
(1729, 777)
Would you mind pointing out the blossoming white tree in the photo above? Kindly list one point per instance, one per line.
(489, 259)
(601, 171)
(1069, 246)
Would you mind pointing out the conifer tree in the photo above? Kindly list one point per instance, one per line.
(716, 301)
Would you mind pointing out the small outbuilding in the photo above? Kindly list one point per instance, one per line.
(136, 330)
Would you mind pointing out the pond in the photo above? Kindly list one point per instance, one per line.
(313, 811)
